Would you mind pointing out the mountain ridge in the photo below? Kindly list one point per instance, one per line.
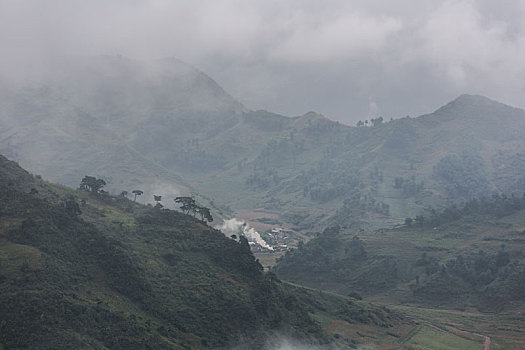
(256, 159)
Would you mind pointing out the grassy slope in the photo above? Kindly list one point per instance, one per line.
(394, 259)
(406, 245)
(129, 122)
(505, 329)
(402, 148)
(429, 338)
(127, 276)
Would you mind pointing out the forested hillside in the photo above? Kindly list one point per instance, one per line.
(467, 256)
(166, 127)
(83, 269)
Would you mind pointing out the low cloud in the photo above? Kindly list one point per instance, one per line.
(334, 38)
(294, 56)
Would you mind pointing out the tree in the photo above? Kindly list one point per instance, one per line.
(137, 193)
(124, 194)
(158, 199)
(377, 121)
(72, 207)
(408, 221)
(204, 213)
(245, 245)
(92, 184)
(187, 204)
(398, 182)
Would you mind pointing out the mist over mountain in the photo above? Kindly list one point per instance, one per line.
(315, 192)
(87, 115)
(226, 174)
(165, 126)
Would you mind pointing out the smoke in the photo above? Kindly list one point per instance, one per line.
(373, 110)
(293, 344)
(240, 227)
(284, 341)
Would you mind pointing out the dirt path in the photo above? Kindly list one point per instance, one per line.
(486, 345)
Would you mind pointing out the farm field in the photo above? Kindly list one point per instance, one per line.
(505, 330)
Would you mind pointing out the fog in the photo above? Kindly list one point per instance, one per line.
(391, 226)
(346, 60)
(284, 341)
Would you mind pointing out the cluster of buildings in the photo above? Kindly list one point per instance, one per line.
(276, 235)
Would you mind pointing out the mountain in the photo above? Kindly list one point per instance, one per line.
(463, 266)
(85, 115)
(393, 200)
(166, 128)
(90, 270)
(479, 243)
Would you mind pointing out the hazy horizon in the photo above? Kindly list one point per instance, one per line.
(345, 61)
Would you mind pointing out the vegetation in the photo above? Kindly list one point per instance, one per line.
(496, 206)
(92, 184)
(449, 258)
(489, 280)
(306, 166)
(88, 269)
(332, 259)
(188, 205)
(463, 175)
(121, 275)
(435, 338)
(137, 193)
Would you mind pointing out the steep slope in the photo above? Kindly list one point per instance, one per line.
(167, 128)
(87, 114)
(84, 270)
(313, 172)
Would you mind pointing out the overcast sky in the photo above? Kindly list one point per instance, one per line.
(348, 60)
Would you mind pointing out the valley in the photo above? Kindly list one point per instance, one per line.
(83, 269)
(185, 134)
(403, 232)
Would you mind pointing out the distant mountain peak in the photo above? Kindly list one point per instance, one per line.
(474, 99)
(476, 107)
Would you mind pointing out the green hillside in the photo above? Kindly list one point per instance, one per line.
(468, 256)
(424, 215)
(166, 128)
(89, 270)
(87, 115)
(463, 267)
(314, 172)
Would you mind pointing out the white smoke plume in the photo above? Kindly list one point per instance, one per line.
(240, 227)
(285, 343)
(280, 341)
